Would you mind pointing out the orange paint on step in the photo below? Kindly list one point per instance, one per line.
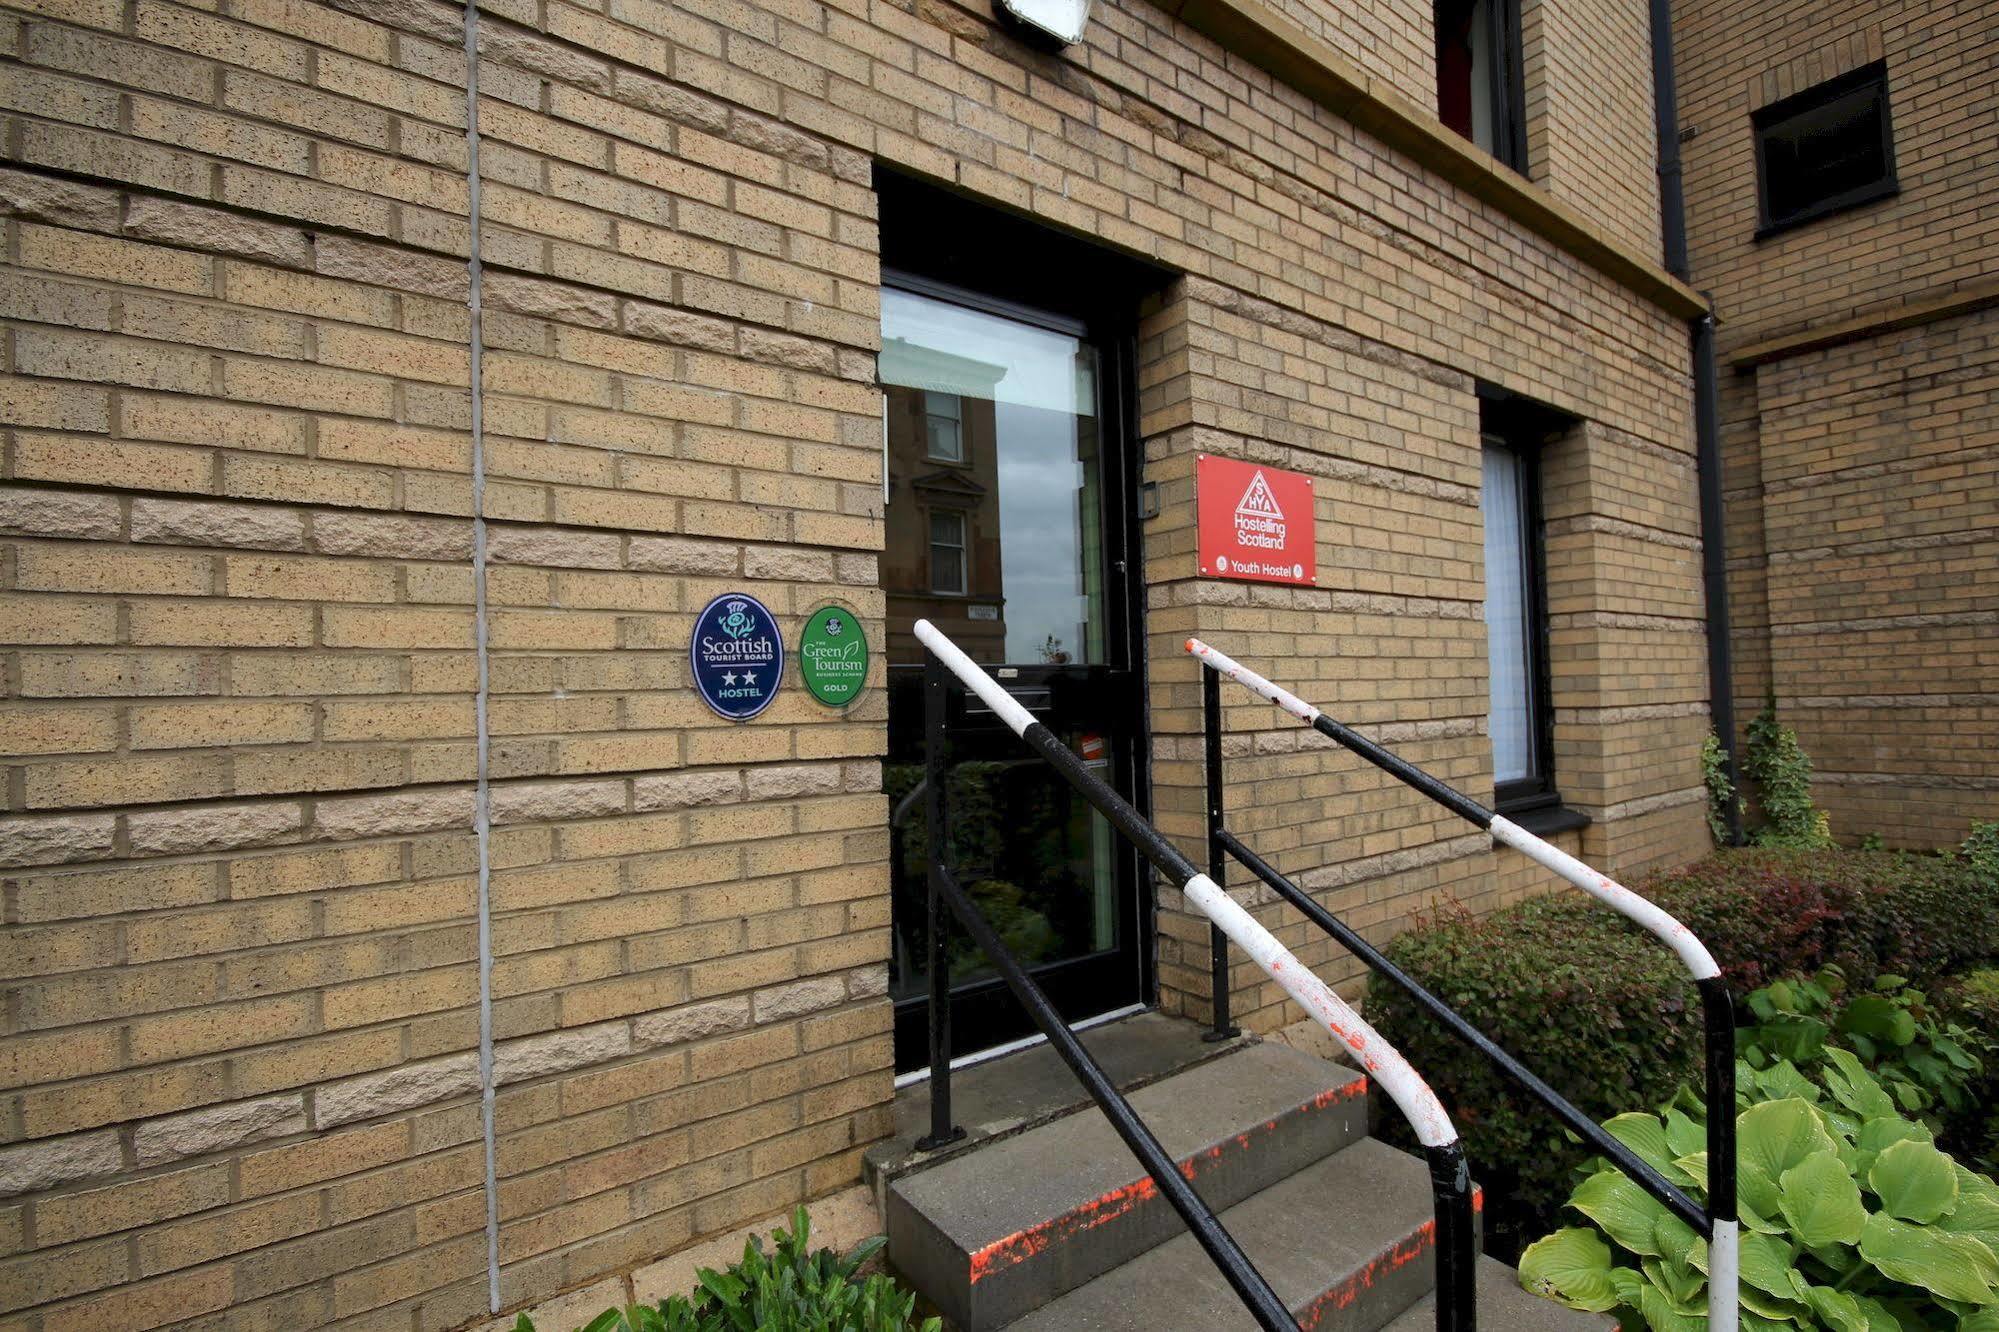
(1019, 1247)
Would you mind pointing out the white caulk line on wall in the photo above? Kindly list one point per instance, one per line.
(482, 804)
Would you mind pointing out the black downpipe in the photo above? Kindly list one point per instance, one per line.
(1674, 1200)
(1666, 120)
(1457, 1238)
(1707, 406)
(1714, 561)
(1235, 1266)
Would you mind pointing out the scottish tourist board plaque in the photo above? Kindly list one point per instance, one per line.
(737, 655)
(833, 656)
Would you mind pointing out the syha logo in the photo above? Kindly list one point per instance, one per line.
(1259, 523)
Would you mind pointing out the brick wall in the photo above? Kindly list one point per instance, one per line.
(1591, 138)
(243, 892)
(1856, 474)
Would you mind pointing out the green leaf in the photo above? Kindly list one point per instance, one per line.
(1879, 1317)
(1645, 1135)
(605, 1321)
(1764, 1260)
(1914, 1181)
(1837, 1309)
(1954, 1267)
(1660, 1315)
(1977, 1210)
(1776, 1135)
(1878, 1019)
(1854, 1087)
(1821, 1202)
(1572, 1266)
(1624, 1211)
(1782, 1080)
(523, 1324)
(1685, 1290)
(1684, 1137)
(1984, 1320)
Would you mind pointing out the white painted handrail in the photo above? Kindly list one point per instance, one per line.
(1406, 1087)
(1692, 952)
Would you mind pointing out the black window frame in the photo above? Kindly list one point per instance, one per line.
(1765, 120)
(1508, 94)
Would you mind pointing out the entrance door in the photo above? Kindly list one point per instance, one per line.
(1008, 521)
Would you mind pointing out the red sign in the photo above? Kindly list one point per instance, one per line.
(1255, 522)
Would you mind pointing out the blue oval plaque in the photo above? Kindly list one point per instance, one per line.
(737, 655)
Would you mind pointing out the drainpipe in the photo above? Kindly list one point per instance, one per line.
(1707, 407)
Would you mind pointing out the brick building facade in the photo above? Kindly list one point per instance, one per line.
(1860, 352)
(364, 838)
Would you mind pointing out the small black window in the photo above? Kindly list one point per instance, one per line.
(1826, 149)
(1479, 84)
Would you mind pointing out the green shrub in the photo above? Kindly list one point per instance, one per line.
(1766, 914)
(792, 1289)
(1852, 1218)
(1980, 850)
(1606, 1014)
(1776, 762)
(1603, 1013)
(1927, 1062)
(1972, 1000)
(1722, 801)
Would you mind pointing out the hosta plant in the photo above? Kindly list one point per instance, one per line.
(791, 1289)
(1929, 1064)
(1852, 1219)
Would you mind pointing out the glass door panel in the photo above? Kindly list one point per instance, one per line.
(999, 533)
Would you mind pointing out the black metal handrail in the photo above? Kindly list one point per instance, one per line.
(1716, 1222)
(1248, 1284)
(1450, 1178)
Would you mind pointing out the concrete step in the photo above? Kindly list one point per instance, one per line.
(1347, 1243)
(1504, 1307)
(994, 1234)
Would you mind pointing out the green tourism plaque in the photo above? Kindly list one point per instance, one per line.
(833, 656)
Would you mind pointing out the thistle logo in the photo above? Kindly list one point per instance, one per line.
(1259, 523)
(737, 659)
(738, 623)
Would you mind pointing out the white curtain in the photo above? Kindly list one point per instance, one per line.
(1506, 614)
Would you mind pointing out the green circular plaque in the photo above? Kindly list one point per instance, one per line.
(833, 656)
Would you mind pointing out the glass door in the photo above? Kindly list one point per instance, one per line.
(1008, 494)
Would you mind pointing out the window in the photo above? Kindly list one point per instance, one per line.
(947, 553)
(944, 426)
(1478, 75)
(1515, 624)
(1824, 150)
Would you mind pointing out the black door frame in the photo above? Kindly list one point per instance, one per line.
(954, 252)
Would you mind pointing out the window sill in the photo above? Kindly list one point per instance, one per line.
(1546, 820)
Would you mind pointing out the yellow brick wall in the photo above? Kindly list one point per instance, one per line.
(241, 881)
(1591, 138)
(1392, 639)
(1857, 476)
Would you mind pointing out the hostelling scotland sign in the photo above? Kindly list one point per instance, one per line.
(737, 655)
(1255, 523)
